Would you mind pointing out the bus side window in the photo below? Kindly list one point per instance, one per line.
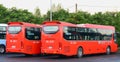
(80, 37)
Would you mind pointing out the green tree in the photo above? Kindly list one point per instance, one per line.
(20, 15)
(37, 12)
(56, 8)
(58, 15)
(3, 14)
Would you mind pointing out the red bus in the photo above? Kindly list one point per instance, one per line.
(68, 39)
(23, 38)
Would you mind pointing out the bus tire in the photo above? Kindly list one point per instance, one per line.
(62, 56)
(28, 55)
(2, 49)
(108, 50)
(79, 52)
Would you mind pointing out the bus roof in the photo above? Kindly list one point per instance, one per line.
(96, 26)
(79, 25)
(23, 23)
(2, 24)
(58, 22)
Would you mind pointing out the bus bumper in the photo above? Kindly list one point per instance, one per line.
(46, 51)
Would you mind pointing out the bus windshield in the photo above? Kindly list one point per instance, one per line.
(50, 29)
(14, 29)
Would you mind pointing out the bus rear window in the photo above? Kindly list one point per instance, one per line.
(50, 29)
(14, 29)
(2, 28)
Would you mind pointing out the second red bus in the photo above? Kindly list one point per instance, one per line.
(68, 39)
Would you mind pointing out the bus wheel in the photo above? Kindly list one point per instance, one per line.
(79, 53)
(108, 51)
(2, 49)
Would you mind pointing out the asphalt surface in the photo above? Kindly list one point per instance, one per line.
(115, 57)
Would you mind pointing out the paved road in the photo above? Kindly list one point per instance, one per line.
(88, 58)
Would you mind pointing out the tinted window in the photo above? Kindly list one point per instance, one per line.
(81, 29)
(2, 28)
(70, 33)
(50, 29)
(2, 36)
(14, 29)
(78, 33)
(105, 34)
(32, 33)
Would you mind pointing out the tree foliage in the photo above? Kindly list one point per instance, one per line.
(14, 14)
(37, 12)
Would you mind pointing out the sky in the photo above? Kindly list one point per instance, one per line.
(90, 6)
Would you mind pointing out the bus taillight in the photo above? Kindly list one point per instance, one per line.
(22, 46)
